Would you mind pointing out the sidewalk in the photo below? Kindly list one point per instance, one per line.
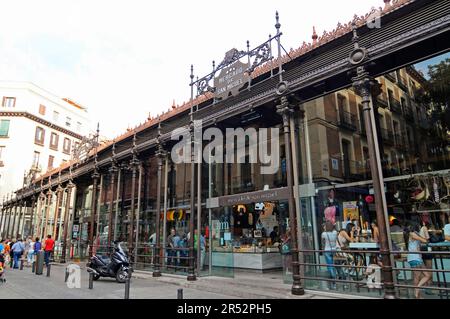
(244, 285)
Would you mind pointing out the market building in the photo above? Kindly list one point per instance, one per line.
(346, 129)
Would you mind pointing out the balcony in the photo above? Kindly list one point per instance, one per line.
(409, 114)
(395, 106)
(401, 142)
(402, 83)
(387, 136)
(347, 121)
(391, 76)
(382, 100)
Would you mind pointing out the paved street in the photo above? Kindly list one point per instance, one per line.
(25, 284)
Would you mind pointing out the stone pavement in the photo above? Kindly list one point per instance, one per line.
(23, 284)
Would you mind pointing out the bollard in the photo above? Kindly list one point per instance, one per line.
(33, 266)
(127, 288)
(66, 276)
(48, 270)
(180, 293)
(91, 280)
(21, 264)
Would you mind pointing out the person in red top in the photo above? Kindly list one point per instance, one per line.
(49, 245)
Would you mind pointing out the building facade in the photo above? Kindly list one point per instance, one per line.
(39, 131)
(357, 141)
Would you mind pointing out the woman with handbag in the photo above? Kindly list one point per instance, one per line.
(329, 239)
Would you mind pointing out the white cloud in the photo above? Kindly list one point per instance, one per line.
(124, 59)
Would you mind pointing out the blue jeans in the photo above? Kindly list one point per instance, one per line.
(329, 261)
(16, 256)
(334, 271)
(47, 257)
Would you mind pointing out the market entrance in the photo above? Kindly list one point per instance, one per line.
(248, 233)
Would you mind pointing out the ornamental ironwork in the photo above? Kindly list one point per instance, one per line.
(236, 69)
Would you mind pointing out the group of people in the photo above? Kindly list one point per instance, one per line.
(14, 250)
(416, 237)
(177, 248)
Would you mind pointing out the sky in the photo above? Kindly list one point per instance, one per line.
(124, 60)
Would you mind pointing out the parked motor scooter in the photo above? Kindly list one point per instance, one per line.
(117, 266)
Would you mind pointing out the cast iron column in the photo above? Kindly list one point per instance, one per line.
(366, 85)
(191, 275)
(66, 220)
(33, 204)
(134, 163)
(286, 111)
(112, 171)
(13, 228)
(19, 221)
(95, 177)
(157, 261)
(59, 195)
(47, 215)
(11, 207)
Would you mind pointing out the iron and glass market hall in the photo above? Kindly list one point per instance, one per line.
(314, 166)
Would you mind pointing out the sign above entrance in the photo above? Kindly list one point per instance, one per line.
(235, 70)
(249, 198)
(231, 79)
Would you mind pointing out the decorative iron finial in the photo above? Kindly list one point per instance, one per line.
(173, 105)
(314, 35)
(277, 24)
(355, 38)
(192, 72)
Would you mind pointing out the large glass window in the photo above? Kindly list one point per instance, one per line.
(413, 135)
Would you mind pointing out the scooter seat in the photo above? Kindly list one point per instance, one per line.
(105, 259)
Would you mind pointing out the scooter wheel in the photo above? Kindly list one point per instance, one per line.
(122, 275)
(96, 277)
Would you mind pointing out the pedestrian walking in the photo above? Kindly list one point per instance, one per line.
(11, 255)
(18, 248)
(6, 250)
(29, 249)
(49, 245)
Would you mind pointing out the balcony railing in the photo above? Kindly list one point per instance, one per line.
(382, 100)
(395, 106)
(408, 113)
(347, 120)
(402, 83)
(387, 136)
(401, 141)
(391, 76)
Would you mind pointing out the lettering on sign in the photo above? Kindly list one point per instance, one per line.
(231, 79)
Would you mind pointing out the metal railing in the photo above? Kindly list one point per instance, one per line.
(347, 120)
(360, 271)
(387, 136)
(395, 106)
